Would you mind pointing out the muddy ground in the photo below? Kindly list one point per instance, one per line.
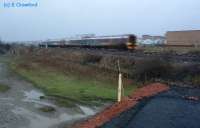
(20, 106)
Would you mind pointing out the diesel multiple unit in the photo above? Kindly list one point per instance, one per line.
(107, 42)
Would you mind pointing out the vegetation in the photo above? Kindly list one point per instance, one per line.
(69, 89)
(4, 88)
(47, 109)
(88, 78)
(77, 76)
(4, 47)
(178, 50)
(150, 69)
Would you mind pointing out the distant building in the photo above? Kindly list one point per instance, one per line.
(183, 38)
(146, 37)
(151, 40)
(85, 36)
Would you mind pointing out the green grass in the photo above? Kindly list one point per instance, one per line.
(4, 88)
(70, 88)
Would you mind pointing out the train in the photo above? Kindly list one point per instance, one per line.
(126, 42)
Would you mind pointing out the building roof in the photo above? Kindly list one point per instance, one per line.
(185, 31)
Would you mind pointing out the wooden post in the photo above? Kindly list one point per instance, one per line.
(119, 91)
(119, 88)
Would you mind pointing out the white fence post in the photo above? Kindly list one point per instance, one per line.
(119, 88)
(120, 85)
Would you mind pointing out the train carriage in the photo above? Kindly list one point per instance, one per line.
(107, 42)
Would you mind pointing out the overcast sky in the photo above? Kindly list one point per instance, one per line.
(64, 18)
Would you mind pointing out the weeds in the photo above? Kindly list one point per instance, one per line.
(4, 88)
(151, 69)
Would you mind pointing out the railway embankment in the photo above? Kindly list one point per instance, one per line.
(72, 76)
(77, 74)
(140, 67)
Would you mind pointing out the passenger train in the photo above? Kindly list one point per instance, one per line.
(126, 42)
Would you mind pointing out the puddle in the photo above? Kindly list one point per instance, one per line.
(33, 95)
(41, 121)
(87, 111)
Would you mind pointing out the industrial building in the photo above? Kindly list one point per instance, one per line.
(151, 40)
(183, 38)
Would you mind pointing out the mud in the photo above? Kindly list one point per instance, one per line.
(19, 107)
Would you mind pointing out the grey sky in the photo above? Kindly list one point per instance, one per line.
(63, 18)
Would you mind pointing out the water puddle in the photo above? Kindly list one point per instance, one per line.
(39, 119)
(34, 96)
(87, 111)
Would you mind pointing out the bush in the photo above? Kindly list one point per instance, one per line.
(194, 52)
(188, 74)
(151, 69)
(4, 88)
(196, 80)
(91, 58)
(187, 71)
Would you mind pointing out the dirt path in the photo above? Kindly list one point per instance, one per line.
(19, 107)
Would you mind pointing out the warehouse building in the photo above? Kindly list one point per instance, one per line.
(151, 40)
(183, 38)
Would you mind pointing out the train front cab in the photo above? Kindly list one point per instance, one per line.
(131, 44)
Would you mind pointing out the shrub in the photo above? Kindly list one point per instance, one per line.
(91, 58)
(187, 71)
(196, 80)
(194, 52)
(151, 69)
(4, 88)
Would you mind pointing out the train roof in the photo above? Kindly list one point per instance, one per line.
(103, 37)
(89, 38)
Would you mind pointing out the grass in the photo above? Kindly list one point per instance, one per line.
(4, 88)
(70, 89)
